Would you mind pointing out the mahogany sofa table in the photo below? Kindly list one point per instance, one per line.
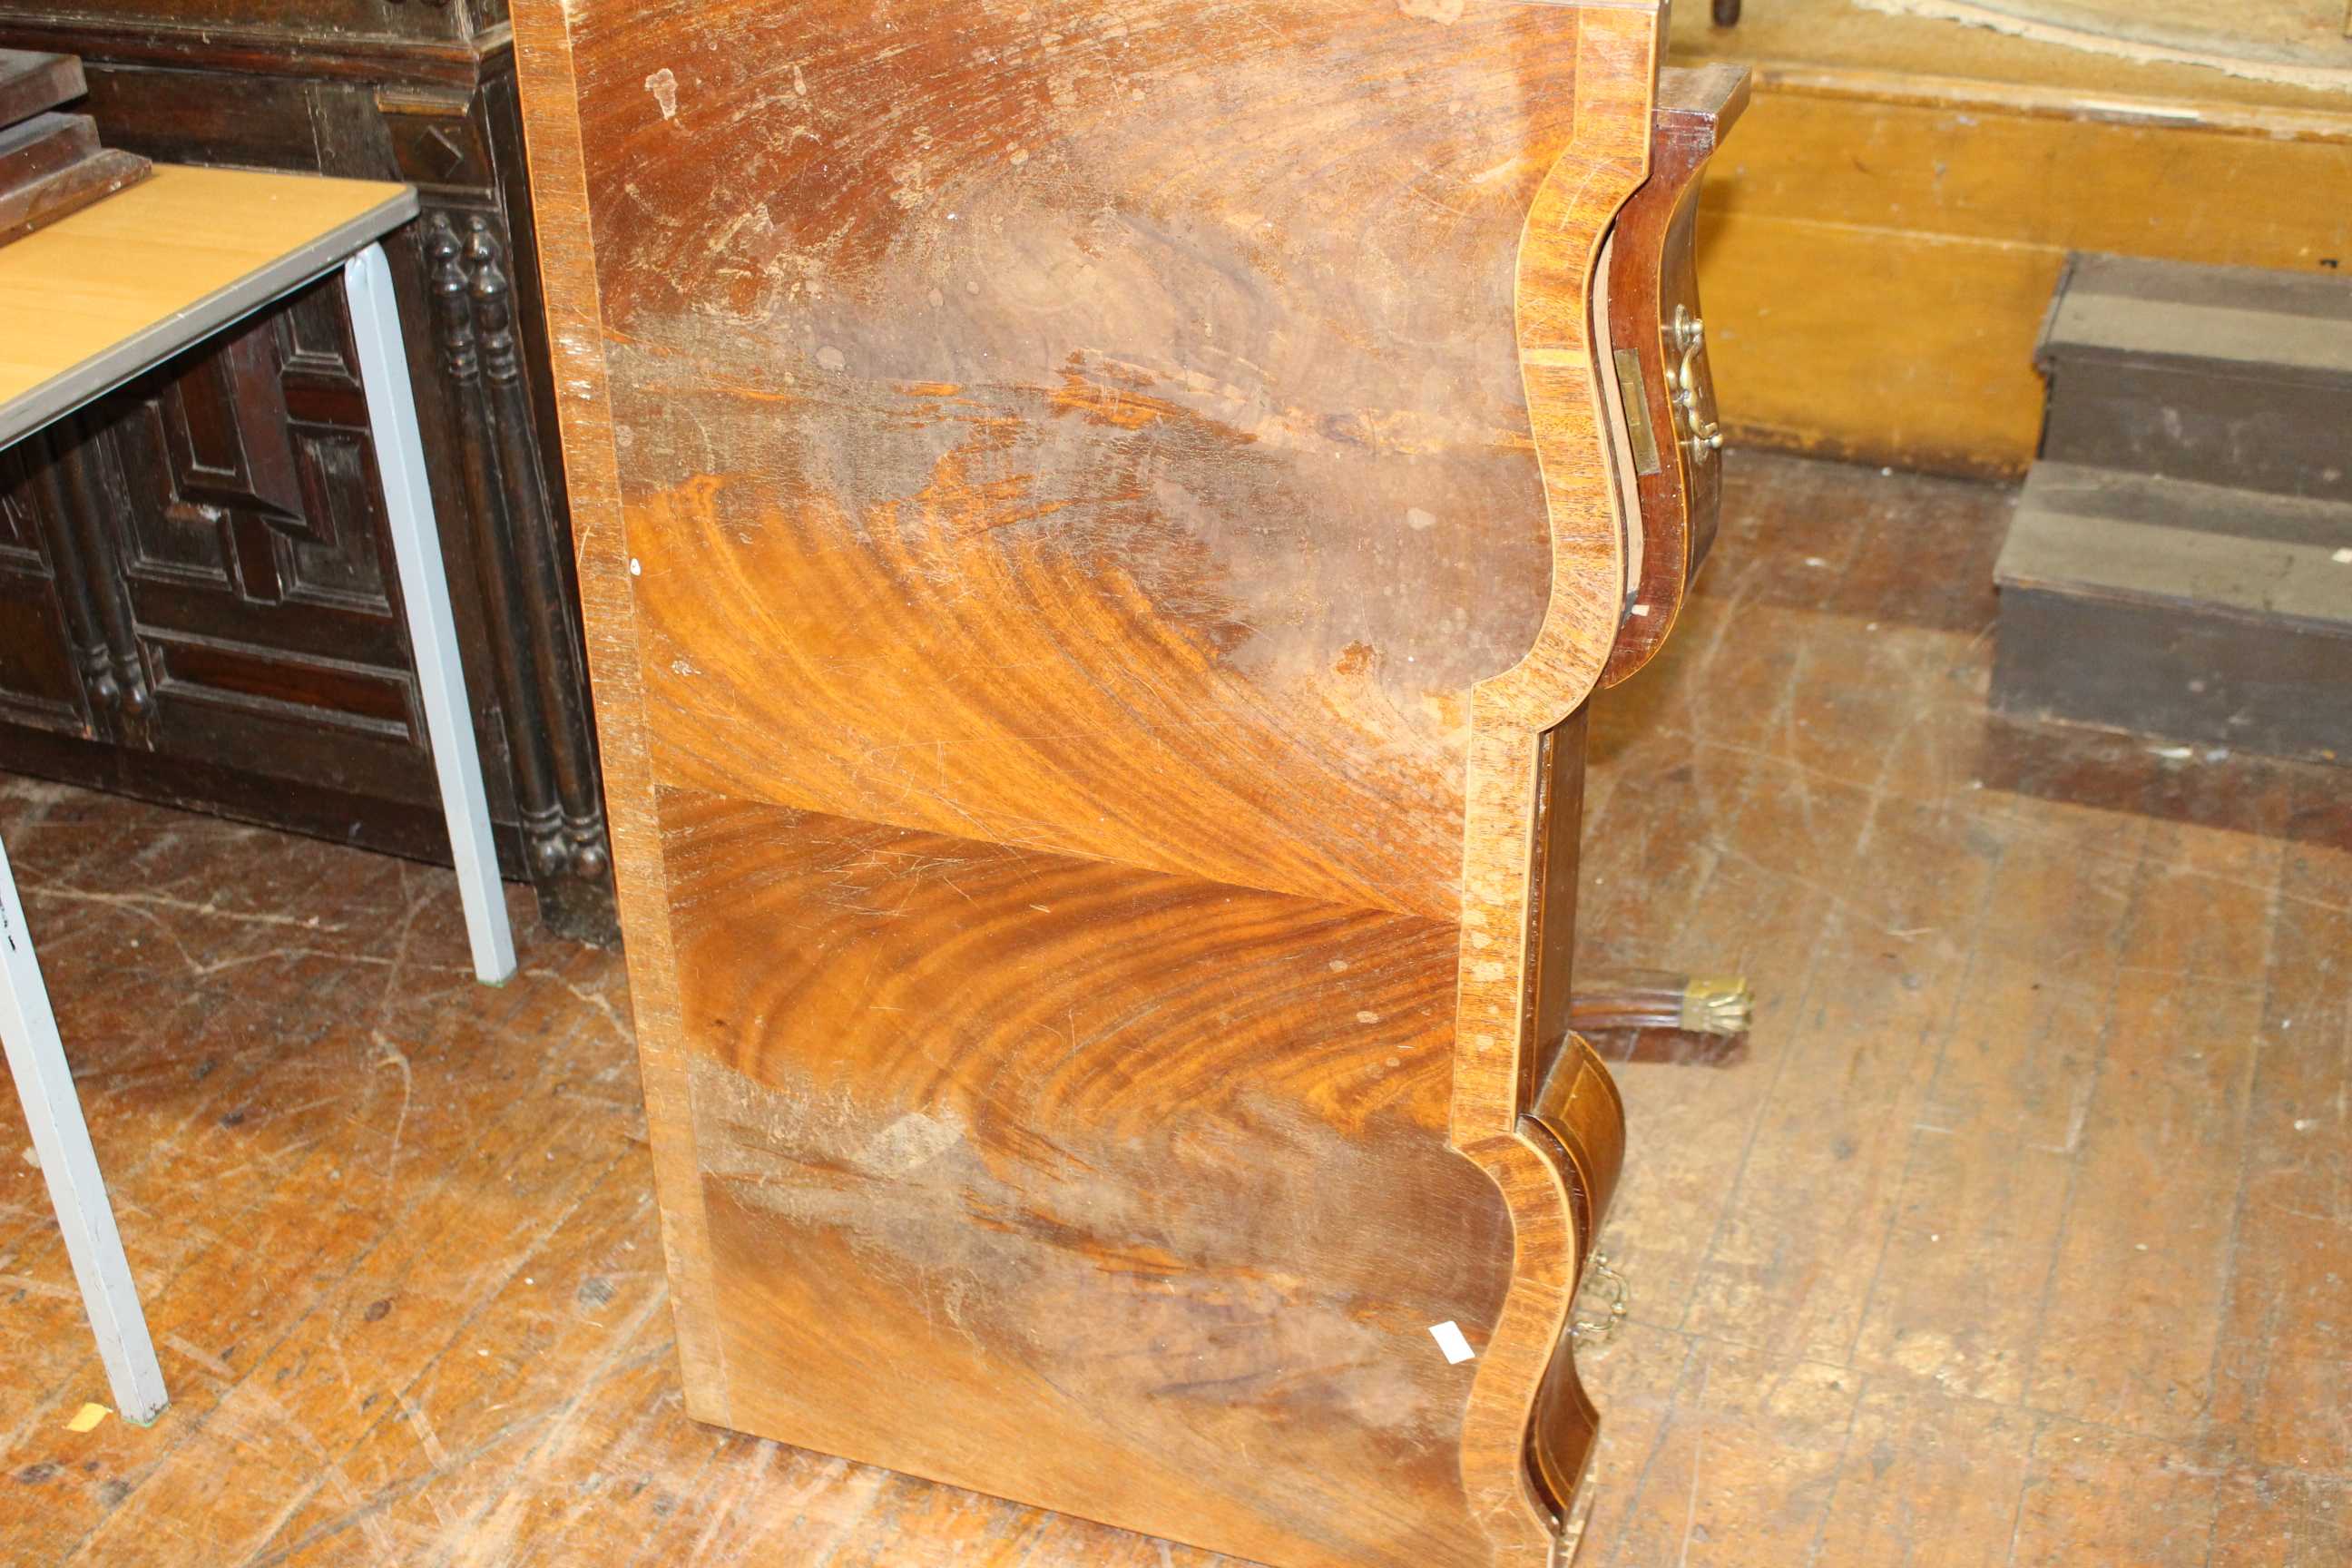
(85, 304)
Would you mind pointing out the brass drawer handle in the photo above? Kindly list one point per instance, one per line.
(1704, 436)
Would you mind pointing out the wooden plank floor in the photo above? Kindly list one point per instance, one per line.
(2018, 1233)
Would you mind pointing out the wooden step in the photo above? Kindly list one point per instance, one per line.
(34, 148)
(2195, 612)
(51, 163)
(31, 82)
(2227, 375)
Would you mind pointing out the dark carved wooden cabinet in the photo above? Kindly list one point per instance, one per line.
(198, 600)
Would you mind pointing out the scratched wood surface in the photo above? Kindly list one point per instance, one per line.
(2016, 1235)
(1096, 529)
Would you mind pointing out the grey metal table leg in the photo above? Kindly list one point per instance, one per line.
(37, 1060)
(424, 595)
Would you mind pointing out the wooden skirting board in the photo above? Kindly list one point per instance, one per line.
(1879, 246)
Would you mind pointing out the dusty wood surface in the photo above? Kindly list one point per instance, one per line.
(2014, 1235)
(2167, 608)
(31, 82)
(2219, 375)
(1843, 35)
(2300, 43)
(51, 197)
(2250, 321)
(42, 145)
(1084, 506)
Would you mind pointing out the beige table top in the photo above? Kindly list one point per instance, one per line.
(121, 285)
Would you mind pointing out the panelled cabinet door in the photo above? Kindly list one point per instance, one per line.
(38, 684)
(255, 560)
(353, 23)
(245, 585)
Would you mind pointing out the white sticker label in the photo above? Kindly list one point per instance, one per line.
(1450, 1339)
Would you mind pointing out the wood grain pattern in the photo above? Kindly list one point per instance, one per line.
(1163, 1197)
(460, 1349)
(592, 477)
(1089, 521)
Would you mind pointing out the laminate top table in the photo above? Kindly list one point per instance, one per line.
(85, 304)
(107, 292)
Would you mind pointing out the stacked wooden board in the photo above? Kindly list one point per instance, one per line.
(2181, 561)
(51, 163)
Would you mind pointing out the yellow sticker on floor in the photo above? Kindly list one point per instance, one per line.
(88, 1416)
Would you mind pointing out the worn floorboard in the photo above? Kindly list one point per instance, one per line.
(2017, 1233)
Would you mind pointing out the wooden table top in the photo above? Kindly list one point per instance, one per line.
(109, 291)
